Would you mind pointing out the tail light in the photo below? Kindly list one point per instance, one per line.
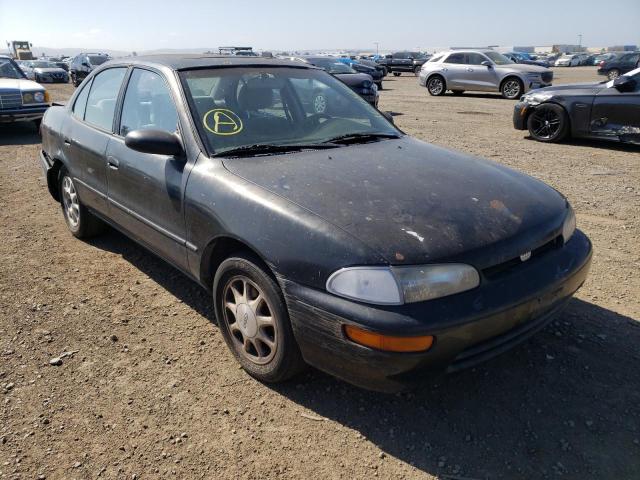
(601, 64)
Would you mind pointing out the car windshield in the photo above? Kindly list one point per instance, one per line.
(97, 59)
(498, 58)
(42, 64)
(277, 106)
(8, 69)
(332, 66)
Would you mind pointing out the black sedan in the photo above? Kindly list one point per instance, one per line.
(326, 239)
(608, 110)
(619, 64)
(361, 83)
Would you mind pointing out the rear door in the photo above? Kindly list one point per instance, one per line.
(455, 69)
(146, 190)
(617, 114)
(88, 132)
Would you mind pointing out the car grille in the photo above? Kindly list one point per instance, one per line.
(503, 268)
(547, 77)
(9, 100)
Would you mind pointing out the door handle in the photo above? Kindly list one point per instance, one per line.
(67, 142)
(469, 69)
(113, 163)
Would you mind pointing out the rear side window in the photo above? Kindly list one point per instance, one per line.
(81, 102)
(455, 58)
(475, 59)
(436, 58)
(147, 104)
(101, 103)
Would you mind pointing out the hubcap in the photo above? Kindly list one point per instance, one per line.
(250, 320)
(545, 123)
(511, 88)
(613, 75)
(320, 104)
(70, 201)
(436, 86)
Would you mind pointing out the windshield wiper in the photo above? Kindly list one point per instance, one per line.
(272, 149)
(361, 137)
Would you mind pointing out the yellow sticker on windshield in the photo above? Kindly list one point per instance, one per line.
(221, 121)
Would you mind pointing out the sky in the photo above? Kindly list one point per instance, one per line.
(317, 24)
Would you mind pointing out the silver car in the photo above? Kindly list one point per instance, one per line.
(481, 70)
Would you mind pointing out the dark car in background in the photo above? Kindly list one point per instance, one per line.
(521, 57)
(333, 240)
(361, 83)
(401, 62)
(376, 74)
(372, 63)
(608, 110)
(619, 65)
(59, 62)
(44, 71)
(83, 64)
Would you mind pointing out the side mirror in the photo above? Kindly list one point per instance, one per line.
(86, 64)
(159, 142)
(388, 116)
(624, 84)
(486, 63)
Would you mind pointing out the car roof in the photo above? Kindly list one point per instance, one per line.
(194, 61)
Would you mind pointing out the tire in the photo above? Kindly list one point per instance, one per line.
(512, 88)
(267, 352)
(319, 103)
(379, 85)
(37, 123)
(613, 74)
(548, 123)
(396, 74)
(436, 85)
(416, 71)
(80, 221)
(457, 92)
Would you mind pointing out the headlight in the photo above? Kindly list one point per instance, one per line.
(398, 285)
(536, 98)
(34, 97)
(569, 225)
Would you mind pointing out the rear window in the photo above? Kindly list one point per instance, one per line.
(97, 59)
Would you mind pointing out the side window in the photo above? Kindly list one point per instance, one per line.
(455, 58)
(103, 96)
(81, 102)
(475, 59)
(399, 55)
(147, 104)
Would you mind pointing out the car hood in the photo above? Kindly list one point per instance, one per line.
(48, 70)
(524, 68)
(574, 89)
(21, 84)
(353, 79)
(413, 202)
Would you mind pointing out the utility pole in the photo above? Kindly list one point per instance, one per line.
(579, 41)
(377, 49)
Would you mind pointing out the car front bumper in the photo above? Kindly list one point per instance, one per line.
(23, 114)
(469, 327)
(520, 112)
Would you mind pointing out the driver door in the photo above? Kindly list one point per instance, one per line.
(616, 113)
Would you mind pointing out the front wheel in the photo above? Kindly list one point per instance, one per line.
(254, 320)
(512, 89)
(548, 123)
(613, 73)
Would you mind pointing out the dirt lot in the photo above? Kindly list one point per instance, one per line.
(150, 390)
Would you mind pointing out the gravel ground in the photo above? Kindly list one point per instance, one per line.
(145, 387)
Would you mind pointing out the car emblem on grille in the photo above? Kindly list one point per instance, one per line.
(525, 256)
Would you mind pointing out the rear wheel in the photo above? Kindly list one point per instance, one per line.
(512, 88)
(613, 73)
(396, 74)
(416, 70)
(436, 86)
(80, 221)
(548, 123)
(254, 320)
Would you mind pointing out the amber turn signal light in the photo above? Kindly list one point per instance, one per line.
(387, 342)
